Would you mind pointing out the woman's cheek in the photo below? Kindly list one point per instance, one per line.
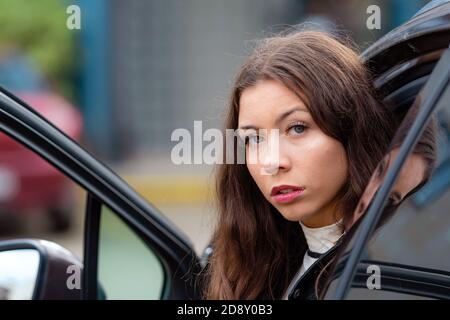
(253, 169)
(324, 164)
(255, 172)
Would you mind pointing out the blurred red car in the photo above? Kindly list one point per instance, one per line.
(28, 184)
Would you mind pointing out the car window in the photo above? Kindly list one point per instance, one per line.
(127, 267)
(411, 236)
(37, 200)
(415, 231)
(419, 231)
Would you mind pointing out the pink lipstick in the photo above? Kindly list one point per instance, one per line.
(286, 193)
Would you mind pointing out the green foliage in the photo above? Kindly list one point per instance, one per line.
(38, 28)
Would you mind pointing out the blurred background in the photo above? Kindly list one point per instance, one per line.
(120, 85)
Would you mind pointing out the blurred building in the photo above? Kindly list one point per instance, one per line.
(173, 60)
(153, 66)
(166, 64)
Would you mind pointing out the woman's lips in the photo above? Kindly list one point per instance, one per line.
(285, 194)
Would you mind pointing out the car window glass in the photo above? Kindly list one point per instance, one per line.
(416, 231)
(127, 267)
(414, 227)
(37, 200)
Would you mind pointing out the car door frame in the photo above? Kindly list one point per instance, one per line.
(22, 123)
(406, 279)
(436, 91)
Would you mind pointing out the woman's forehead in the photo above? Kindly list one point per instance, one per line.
(267, 100)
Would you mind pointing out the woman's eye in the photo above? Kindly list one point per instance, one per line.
(297, 129)
(254, 139)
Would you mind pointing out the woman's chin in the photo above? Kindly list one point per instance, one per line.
(293, 216)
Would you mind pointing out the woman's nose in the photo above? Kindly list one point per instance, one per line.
(273, 167)
(270, 166)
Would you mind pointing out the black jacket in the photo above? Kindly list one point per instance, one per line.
(305, 286)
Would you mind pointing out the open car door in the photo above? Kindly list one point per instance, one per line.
(406, 258)
(131, 251)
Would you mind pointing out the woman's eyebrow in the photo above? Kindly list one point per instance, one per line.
(248, 127)
(279, 118)
(289, 112)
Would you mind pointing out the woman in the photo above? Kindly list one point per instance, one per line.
(314, 94)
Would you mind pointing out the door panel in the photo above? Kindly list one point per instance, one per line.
(417, 150)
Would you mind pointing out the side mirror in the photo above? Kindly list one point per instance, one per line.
(38, 270)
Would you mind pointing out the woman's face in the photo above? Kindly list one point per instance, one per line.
(301, 177)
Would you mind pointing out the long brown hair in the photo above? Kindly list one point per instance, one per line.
(256, 251)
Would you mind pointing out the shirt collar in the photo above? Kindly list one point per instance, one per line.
(322, 239)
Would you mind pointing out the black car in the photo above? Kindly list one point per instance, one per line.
(409, 255)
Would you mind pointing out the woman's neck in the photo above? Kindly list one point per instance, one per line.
(328, 215)
(321, 221)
